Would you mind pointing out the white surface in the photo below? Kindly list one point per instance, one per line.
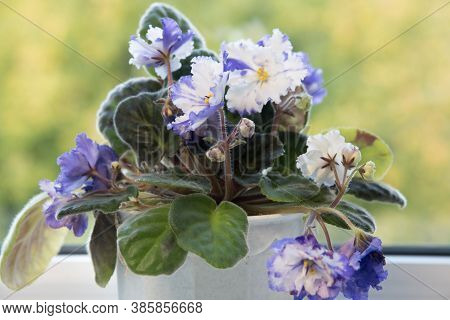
(73, 278)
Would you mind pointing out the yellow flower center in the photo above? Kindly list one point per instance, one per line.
(207, 97)
(262, 74)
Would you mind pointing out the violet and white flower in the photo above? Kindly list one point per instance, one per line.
(198, 96)
(260, 73)
(367, 259)
(77, 223)
(167, 45)
(313, 82)
(304, 268)
(88, 166)
(325, 154)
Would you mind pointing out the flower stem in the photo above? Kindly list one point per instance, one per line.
(169, 74)
(227, 164)
(340, 215)
(325, 231)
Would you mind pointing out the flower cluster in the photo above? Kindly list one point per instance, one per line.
(304, 268)
(85, 168)
(254, 73)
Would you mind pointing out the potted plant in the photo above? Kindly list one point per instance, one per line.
(209, 186)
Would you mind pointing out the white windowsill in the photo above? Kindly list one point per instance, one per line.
(410, 277)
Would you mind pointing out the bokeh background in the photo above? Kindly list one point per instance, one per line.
(48, 93)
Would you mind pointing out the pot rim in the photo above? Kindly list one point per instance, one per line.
(274, 218)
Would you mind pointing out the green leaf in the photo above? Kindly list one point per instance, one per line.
(29, 246)
(157, 11)
(105, 116)
(293, 188)
(185, 69)
(356, 214)
(107, 202)
(375, 191)
(257, 154)
(172, 181)
(140, 125)
(148, 245)
(294, 145)
(103, 248)
(372, 148)
(215, 233)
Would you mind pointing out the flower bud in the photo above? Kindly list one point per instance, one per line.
(115, 165)
(350, 156)
(246, 128)
(215, 154)
(368, 170)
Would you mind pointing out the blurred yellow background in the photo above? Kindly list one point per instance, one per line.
(48, 93)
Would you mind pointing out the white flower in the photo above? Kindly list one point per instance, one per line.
(199, 96)
(325, 152)
(259, 74)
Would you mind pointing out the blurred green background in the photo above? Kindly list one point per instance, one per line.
(48, 93)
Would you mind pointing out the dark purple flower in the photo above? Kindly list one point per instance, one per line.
(367, 259)
(313, 81)
(88, 165)
(167, 45)
(304, 268)
(77, 223)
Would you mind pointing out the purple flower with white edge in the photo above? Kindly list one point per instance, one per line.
(77, 223)
(260, 73)
(198, 96)
(367, 259)
(88, 165)
(304, 268)
(166, 45)
(313, 82)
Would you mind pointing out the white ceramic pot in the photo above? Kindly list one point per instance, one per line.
(198, 280)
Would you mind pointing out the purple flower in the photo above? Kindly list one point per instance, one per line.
(166, 45)
(77, 223)
(313, 81)
(367, 259)
(88, 165)
(304, 268)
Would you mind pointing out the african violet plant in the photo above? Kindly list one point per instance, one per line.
(195, 147)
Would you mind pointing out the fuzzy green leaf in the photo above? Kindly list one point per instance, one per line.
(294, 145)
(103, 248)
(291, 188)
(148, 245)
(215, 233)
(257, 154)
(105, 116)
(105, 202)
(29, 246)
(359, 216)
(172, 181)
(375, 191)
(140, 125)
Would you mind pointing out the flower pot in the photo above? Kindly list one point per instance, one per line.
(198, 280)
